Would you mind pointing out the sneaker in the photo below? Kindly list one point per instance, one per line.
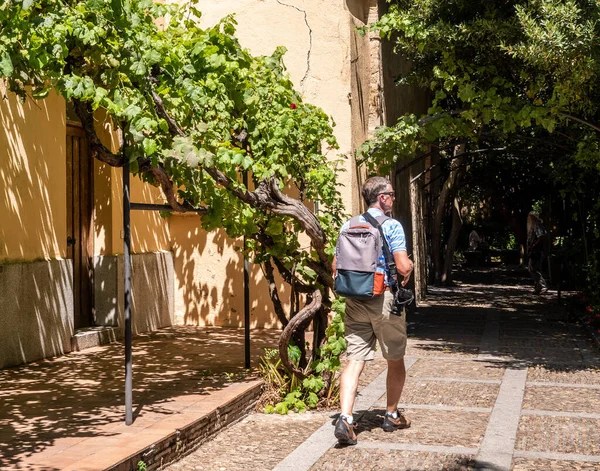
(344, 432)
(390, 424)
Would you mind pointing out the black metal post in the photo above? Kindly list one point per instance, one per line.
(127, 292)
(246, 299)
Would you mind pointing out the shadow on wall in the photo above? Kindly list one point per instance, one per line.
(209, 279)
(36, 296)
(37, 311)
(152, 291)
(32, 178)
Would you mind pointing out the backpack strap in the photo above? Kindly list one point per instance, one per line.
(389, 259)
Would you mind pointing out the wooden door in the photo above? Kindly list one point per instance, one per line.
(80, 235)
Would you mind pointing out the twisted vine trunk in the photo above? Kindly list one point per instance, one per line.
(266, 197)
(304, 316)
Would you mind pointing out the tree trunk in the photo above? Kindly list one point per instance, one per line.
(457, 223)
(418, 237)
(446, 194)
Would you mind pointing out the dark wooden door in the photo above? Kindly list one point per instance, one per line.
(80, 234)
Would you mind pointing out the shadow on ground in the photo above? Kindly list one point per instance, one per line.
(527, 329)
(82, 394)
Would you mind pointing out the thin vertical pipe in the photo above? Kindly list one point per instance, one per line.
(246, 298)
(127, 291)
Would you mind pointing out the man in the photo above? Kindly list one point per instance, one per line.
(370, 320)
(535, 251)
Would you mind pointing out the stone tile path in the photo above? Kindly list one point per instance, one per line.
(497, 380)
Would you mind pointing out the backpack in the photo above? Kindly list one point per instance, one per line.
(357, 253)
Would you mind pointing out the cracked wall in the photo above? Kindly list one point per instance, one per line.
(318, 36)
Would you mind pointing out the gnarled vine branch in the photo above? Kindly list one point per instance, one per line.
(305, 315)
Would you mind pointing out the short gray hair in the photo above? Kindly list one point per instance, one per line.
(372, 188)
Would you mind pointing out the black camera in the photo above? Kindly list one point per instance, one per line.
(402, 297)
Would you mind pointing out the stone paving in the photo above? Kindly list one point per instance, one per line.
(497, 380)
(68, 413)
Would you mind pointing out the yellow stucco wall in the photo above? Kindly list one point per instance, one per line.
(208, 271)
(32, 178)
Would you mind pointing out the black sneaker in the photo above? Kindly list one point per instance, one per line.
(344, 432)
(390, 424)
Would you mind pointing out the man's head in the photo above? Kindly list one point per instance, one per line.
(378, 192)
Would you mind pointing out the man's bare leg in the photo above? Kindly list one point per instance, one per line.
(396, 376)
(349, 385)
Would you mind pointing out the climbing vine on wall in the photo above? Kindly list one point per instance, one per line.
(197, 112)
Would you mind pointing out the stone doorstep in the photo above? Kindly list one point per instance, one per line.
(184, 440)
(89, 337)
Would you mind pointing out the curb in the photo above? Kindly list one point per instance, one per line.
(186, 439)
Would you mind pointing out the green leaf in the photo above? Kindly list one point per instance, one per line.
(41, 93)
(152, 57)
(6, 66)
(275, 227)
(149, 146)
(247, 162)
(189, 68)
(117, 7)
(138, 68)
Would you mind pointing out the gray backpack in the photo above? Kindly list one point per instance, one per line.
(357, 252)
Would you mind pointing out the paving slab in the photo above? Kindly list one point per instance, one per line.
(541, 355)
(429, 427)
(568, 374)
(242, 448)
(529, 464)
(559, 435)
(419, 391)
(363, 459)
(465, 369)
(555, 398)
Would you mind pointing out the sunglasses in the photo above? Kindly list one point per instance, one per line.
(391, 194)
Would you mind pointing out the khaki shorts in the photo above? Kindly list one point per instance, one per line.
(369, 320)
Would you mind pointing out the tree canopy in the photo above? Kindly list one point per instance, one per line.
(516, 75)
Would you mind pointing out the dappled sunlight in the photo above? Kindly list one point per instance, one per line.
(33, 178)
(80, 396)
(149, 230)
(209, 279)
(491, 316)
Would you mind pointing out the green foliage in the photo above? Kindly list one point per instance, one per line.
(517, 81)
(491, 67)
(114, 56)
(195, 104)
(320, 389)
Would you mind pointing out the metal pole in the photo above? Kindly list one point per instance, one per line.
(246, 299)
(127, 291)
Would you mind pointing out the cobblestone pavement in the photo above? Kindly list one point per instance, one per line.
(497, 380)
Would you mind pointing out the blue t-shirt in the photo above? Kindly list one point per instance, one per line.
(393, 233)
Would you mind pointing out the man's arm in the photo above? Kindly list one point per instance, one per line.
(404, 265)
